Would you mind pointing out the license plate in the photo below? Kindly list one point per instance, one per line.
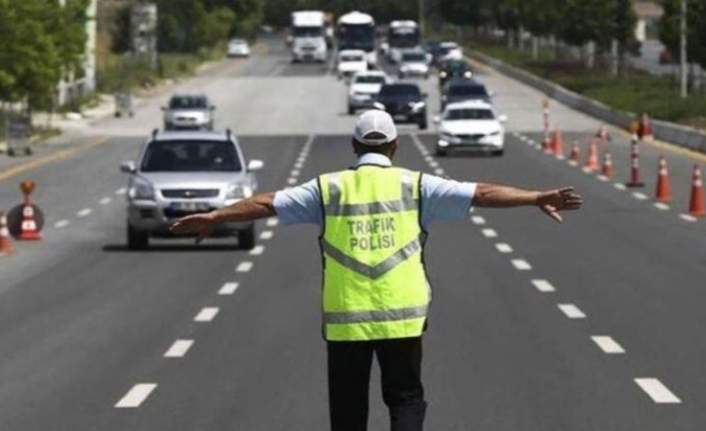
(189, 206)
(400, 117)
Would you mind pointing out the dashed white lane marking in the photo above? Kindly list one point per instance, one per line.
(84, 212)
(179, 349)
(257, 250)
(688, 217)
(608, 344)
(543, 286)
(292, 181)
(228, 288)
(439, 172)
(299, 165)
(62, 224)
(659, 393)
(571, 311)
(295, 172)
(105, 201)
(206, 314)
(244, 267)
(490, 233)
(640, 196)
(434, 164)
(428, 159)
(478, 220)
(121, 191)
(503, 248)
(620, 186)
(272, 222)
(521, 265)
(136, 396)
(661, 206)
(603, 178)
(267, 234)
(573, 163)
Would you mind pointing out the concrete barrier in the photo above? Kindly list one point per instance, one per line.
(684, 136)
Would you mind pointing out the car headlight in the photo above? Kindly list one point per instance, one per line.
(141, 189)
(468, 74)
(418, 106)
(239, 191)
(443, 75)
(448, 137)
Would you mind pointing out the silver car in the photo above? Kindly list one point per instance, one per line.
(183, 173)
(189, 112)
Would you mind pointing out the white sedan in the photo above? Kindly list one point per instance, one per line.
(364, 88)
(238, 48)
(471, 125)
(350, 62)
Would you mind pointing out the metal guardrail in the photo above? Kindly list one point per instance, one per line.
(684, 136)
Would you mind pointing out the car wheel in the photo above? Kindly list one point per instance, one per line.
(423, 124)
(246, 238)
(137, 240)
(499, 153)
(351, 110)
(440, 152)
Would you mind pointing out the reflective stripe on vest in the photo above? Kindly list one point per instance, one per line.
(375, 286)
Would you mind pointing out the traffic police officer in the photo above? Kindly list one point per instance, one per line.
(373, 220)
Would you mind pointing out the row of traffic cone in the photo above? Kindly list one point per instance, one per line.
(663, 193)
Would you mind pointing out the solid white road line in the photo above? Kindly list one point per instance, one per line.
(244, 267)
(105, 201)
(121, 191)
(267, 234)
(657, 391)
(272, 222)
(478, 220)
(661, 206)
(639, 196)
(620, 186)
(608, 344)
(503, 248)
(179, 349)
(62, 224)
(688, 217)
(490, 233)
(206, 314)
(136, 396)
(543, 286)
(571, 311)
(84, 212)
(257, 250)
(521, 265)
(228, 288)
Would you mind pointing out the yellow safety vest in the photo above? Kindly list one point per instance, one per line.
(375, 284)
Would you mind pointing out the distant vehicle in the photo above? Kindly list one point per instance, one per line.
(471, 125)
(356, 30)
(413, 63)
(404, 102)
(188, 111)
(432, 48)
(179, 174)
(238, 48)
(454, 69)
(448, 51)
(364, 89)
(308, 34)
(350, 62)
(461, 89)
(401, 36)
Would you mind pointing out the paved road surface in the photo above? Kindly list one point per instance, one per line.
(535, 326)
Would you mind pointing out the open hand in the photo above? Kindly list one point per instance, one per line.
(553, 201)
(199, 224)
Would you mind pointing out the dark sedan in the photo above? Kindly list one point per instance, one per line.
(461, 89)
(404, 102)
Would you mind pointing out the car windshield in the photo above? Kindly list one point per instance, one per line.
(455, 66)
(236, 42)
(468, 90)
(188, 102)
(469, 114)
(351, 57)
(414, 57)
(370, 79)
(191, 156)
(400, 91)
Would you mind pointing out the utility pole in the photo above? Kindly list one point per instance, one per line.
(684, 63)
(421, 16)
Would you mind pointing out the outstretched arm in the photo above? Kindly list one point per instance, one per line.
(551, 202)
(256, 207)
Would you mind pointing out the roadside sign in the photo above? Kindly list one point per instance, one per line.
(19, 133)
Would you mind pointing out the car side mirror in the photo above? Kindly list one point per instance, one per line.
(255, 165)
(128, 167)
(437, 119)
(502, 118)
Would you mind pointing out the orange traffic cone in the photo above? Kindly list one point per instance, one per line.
(603, 134)
(5, 244)
(592, 160)
(29, 230)
(663, 193)
(644, 130)
(558, 145)
(607, 169)
(635, 164)
(697, 206)
(575, 153)
(547, 146)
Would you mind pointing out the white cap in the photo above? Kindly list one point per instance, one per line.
(378, 122)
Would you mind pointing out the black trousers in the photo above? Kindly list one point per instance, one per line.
(349, 365)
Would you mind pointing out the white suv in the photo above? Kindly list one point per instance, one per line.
(471, 125)
(364, 88)
(350, 62)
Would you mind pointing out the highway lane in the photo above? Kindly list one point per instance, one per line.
(82, 321)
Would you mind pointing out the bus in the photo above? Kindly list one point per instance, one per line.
(308, 36)
(402, 35)
(356, 30)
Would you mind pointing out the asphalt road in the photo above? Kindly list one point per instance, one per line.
(535, 326)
